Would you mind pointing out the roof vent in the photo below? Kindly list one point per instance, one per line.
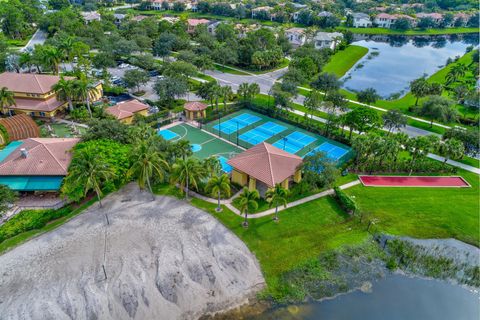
(24, 152)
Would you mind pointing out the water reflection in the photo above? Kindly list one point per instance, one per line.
(397, 60)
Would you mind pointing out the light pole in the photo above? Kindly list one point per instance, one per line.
(284, 142)
(237, 131)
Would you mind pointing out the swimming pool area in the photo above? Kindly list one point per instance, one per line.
(225, 166)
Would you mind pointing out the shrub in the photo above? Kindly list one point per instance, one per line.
(347, 203)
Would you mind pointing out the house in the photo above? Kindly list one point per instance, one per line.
(436, 17)
(299, 6)
(118, 18)
(263, 166)
(361, 20)
(327, 40)
(265, 9)
(17, 127)
(34, 95)
(157, 5)
(385, 20)
(193, 23)
(195, 110)
(139, 18)
(325, 14)
(91, 16)
(296, 14)
(296, 36)
(126, 111)
(212, 27)
(36, 164)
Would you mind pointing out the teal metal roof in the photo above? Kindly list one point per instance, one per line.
(32, 183)
(5, 152)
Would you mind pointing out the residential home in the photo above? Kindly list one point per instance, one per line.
(327, 40)
(193, 23)
(157, 5)
(325, 14)
(263, 166)
(91, 16)
(296, 36)
(299, 6)
(212, 27)
(126, 111)
(34, 95)
(385, 20)
(436, 17)
(36, 164)
(118, 18)
(139, 18)
(171, 20)
(17, 127)
(266, 9)
(461, 15)
(361, 20)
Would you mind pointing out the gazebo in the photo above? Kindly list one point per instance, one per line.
(195, 110)
(263, 166)
(17, 127)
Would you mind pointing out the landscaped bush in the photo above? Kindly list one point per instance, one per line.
(30, 220)
(347, 203)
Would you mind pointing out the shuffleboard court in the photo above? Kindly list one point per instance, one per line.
(414, 181)
(235, 124)
(333, 152)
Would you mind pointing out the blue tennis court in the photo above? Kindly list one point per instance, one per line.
(333, 152)
(167, 134)
(294, 142)
(237, 123)
(225, 166)
(262, 133)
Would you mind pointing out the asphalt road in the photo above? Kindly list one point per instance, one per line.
(38, 37)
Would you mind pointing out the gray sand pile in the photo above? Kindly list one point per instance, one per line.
(164, 259)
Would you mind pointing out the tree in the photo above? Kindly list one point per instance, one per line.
(247, 92)
(7, 198)
(89, 171)
(362, 119)
(226, 93)
(247, 201)
(179, 69)
(394, 120)
(111, 129)
(368, 96)
(65, 90)
(187, 173)
(277, 196)
(164, 45)
(217, 186)
(319, 170)
(418, 147)
(455, 72)
(85, 91)
(6, 99)
(452, 149)
(147, 164)
(52, 57)
(326, 82)
(170, 88)
(313, 102)
(401, 24)
(58, 4)
(419, 88)
(439, 108)
(135, 78)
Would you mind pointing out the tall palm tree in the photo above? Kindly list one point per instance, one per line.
(187, 173)
(89, 171)
(212, 166)
(226, 93)
(147, 164)
(52, 57)
(452, 149)
(217, 186)
(248, 203)
(66, 47)
(65, 90)
(6, 99)
(85, 91)
(277, 196)
(26, 60)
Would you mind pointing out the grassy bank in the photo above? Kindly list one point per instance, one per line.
(413, 32)
(344, 60)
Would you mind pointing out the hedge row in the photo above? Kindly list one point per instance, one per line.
(347, 203)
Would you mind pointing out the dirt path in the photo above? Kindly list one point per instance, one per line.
(164, 260)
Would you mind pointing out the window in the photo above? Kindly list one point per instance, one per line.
(42, 114)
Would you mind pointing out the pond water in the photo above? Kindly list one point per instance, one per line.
(393, 62)
(394, 297)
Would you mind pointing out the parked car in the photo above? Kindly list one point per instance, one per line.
(153, 73)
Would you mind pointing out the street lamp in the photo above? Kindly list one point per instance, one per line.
(237, 131)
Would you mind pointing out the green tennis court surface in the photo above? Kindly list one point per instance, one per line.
(203, 144)
(247, 128)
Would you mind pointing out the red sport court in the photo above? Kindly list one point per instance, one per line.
(413, 181)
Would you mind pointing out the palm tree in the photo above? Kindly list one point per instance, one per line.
(248, 202)
(85, 91)
(313, 102)
(187, 172)
(453, 149)
(277, 196)
(26, 60)
(457, 71)
(212, 166)
(147, 163)
(52, 57)
(226, 93)
(217, 186)
(6, 99)
(66, 47)
(183, 149)
(65, 90)
(89, 171)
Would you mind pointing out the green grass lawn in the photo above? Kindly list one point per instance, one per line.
(412, 32)
(470, 161)
(344, 60)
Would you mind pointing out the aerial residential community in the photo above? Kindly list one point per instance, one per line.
(239, 159)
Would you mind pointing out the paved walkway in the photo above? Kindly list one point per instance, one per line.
(455, 163)
(71, 123)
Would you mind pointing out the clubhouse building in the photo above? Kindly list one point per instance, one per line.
(263, 166)
(34, 95)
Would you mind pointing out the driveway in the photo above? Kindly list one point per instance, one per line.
(39, 37)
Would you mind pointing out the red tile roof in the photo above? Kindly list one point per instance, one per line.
(266, 163)
(46, 157)
(195, 22)
(28, 82)
(126, 109)
(195, 106)
(37, 105)
(20, 127)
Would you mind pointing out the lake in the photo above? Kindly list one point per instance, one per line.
(394, 61)
(395, 297)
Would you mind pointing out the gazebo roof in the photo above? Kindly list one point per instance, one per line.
(20, 127)
(195, 106)
(266, 163)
